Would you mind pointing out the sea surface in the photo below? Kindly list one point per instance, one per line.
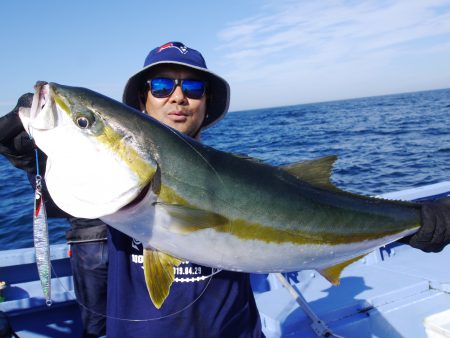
(383, 144)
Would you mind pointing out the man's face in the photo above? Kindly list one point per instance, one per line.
(177, 110)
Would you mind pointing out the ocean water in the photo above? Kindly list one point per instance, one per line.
(383, 144)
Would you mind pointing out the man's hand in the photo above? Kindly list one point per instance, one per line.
(15, 144)
(434, 234)
(11, 125)
(19, 149)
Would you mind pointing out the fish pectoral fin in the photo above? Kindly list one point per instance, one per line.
(188, 219)
(316, 172)
(159, 274)
(333, 273)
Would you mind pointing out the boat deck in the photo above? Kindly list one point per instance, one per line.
(24, 302)
(386, 294)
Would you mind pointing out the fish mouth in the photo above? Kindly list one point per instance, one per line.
(41, 114)
(41, 97)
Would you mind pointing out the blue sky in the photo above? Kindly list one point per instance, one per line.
(273, 52)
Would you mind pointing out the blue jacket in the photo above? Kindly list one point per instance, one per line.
(203, 302)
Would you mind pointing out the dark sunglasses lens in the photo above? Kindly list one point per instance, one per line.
(193, 89)
(161, 87)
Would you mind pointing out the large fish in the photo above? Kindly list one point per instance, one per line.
(187, 201)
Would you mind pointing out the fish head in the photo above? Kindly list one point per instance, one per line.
(96, 163)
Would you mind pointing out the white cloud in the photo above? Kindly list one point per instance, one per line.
(311, 38)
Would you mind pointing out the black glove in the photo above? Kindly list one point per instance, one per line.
(15, 144)
(19, 149)
(434, 234)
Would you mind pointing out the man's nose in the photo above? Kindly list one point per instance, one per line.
(178, 95)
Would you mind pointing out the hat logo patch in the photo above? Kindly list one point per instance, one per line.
(178, 45)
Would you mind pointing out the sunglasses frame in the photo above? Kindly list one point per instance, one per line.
(176, 82)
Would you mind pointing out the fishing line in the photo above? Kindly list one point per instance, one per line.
(72, 292)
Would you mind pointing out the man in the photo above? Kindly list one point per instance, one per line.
(176, 88)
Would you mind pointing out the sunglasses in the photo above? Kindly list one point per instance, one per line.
(162, 87)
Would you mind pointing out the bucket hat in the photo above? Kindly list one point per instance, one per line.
(176, 53)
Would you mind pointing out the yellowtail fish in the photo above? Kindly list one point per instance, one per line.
(186, 201)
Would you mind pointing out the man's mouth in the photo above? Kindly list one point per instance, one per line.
(178, 116)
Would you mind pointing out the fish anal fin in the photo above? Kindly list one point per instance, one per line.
(187, 219)
(333, 273)
(159, 274)
(316, 172)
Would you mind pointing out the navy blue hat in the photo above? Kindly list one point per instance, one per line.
(176, 53)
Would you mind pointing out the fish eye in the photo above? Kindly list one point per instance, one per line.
(82, 122)
(85, 121)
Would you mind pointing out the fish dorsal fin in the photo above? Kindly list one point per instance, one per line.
(333, 273)
(316, 172)
(159, 274)
(186, 219)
